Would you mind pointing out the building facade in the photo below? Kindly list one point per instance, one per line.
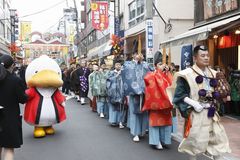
(216, 26)
(46, 44)
(5, 27)
(95, 44)
(171, 24)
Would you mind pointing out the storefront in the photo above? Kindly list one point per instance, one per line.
(220, 37)
(131, 43)
(219, 29)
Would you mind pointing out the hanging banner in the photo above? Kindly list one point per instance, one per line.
(149, 38)
(99, 15)
(26, 30)
(186, 57)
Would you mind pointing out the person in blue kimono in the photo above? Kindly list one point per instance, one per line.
(116, 96)
(97, 83)
(133, 73)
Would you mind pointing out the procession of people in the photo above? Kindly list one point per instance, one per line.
(130, 94)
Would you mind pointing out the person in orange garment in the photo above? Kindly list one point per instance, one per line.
(158, 104)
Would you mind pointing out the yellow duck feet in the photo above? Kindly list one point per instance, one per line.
(39, 132)
(49, 130)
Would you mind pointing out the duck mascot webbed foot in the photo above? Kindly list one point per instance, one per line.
(49, 130)
(39, 132)
(45, 106)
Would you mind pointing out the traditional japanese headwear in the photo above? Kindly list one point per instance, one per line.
(6, 60)
(102, 62)
(199, 47)
(118, 59)
(158, 57)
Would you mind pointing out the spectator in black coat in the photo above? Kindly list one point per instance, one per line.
(12, 92)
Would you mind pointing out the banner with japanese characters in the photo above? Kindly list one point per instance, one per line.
(99, 15)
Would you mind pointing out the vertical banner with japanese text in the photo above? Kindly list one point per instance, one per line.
(149, 38)
(99, 15)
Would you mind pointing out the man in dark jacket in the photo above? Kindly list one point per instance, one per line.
(12, 92)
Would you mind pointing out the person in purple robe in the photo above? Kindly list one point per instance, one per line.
(83, 73)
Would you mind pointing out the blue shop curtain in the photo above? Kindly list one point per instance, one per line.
(186, 56)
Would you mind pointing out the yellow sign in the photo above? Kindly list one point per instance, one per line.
(26, 29)
(94, 6)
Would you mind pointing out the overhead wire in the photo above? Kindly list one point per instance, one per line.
(38, 12)
(59, 20)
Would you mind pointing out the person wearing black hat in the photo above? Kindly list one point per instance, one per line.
(194, 93)
(102, 98)
(115, 95)
(82, 73)
(158, 104)
(12, 92)
(92, 89)
(133, 73)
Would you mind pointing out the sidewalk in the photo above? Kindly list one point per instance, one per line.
(232, 127)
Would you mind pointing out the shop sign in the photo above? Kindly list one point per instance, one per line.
(149, 38)
(99, 15)
(214, 8)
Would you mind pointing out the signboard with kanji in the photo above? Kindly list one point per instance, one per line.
(149, 38)
(99, 15)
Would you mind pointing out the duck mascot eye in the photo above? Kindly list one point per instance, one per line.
(45, 106)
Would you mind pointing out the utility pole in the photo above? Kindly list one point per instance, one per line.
(149, 31)
(77, 37)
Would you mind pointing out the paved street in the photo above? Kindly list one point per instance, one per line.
(84, 136)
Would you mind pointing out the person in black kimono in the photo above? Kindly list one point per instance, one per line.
(82, 74)
(12, 92)
(75, 82)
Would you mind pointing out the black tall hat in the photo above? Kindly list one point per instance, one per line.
(102, 61)
(118, 59)
(158, 57)
(6, 60)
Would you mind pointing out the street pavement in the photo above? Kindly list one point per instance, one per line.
(85, 136)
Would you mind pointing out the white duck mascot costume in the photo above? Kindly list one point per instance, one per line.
(45, 105)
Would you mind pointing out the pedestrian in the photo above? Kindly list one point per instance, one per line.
(196, 99)
(75, 84)
(97, 82)
(158, 104)
(66, 81)
(133, 73)
(12, 92)
(82, 73)
(116, 96)
(92, 88)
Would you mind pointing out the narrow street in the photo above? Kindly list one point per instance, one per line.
(84, 136)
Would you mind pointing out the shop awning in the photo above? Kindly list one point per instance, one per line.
(4, 49)
(100, 51)
(196, 34)
(92, 53)
(107, 49)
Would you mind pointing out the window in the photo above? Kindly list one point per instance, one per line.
(8, 34)
(136, 12)
(140, 7)
(132, 10)
(2, 29)
(89, 16)
(2, 3)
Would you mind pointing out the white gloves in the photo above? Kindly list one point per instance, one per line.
(195, 104)
(63, 104)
